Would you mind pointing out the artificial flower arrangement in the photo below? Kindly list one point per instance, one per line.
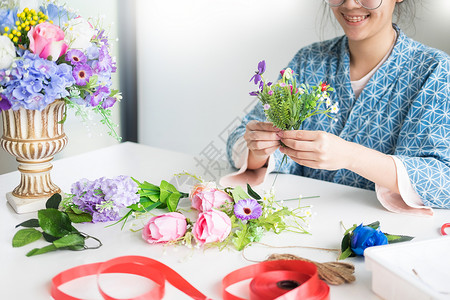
(287, 103)
(216, 217)
(50, 52)
(359, 237)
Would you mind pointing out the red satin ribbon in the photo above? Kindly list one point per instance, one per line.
(271, 279)
(446, 225)
(137, 265)
(274, 280)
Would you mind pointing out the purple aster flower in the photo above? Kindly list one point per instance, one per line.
(82, 73)
(261, 68)
(4, 103)
(266, 106)
(75, 57)
(247, 209)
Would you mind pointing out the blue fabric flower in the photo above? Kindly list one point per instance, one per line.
(365, 236)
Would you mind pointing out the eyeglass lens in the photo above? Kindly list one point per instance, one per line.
(368, 4)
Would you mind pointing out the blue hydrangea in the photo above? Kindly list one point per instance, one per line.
(33, 82)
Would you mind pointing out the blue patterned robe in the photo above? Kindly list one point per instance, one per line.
(404, 110)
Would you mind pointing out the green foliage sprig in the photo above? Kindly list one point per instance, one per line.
(57, 229)
(152, 196)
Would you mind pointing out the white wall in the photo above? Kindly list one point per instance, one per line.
(80, 138)
(195, 59)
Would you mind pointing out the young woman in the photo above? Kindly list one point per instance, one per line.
(392, 132)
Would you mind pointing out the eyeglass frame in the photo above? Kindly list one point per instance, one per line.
(357, 1)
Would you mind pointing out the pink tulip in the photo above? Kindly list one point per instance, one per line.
(164, 228)
(205, 197)
(47, 40)
(211, 226)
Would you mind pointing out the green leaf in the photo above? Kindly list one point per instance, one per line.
(345, 243)
(252, 193)
(241, 238)
(25, 236)
(55, 222)
(76, 210)
(169, 195)
(346, 253)
(37, 251)
(53, 201)
(69, 240)
(374, 225)
(239, 194)
(397, 238)
(79, 218)
(29, 223)
(49, 238)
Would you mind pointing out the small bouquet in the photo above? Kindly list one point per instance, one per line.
(287, 103)
(359, 237)
(50, 52)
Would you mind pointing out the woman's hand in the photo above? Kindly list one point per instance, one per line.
(322, 150)
(316, 149)
(262, 140)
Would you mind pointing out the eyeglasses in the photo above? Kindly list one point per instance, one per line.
(367, 4)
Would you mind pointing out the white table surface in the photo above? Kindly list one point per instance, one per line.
(24, 277)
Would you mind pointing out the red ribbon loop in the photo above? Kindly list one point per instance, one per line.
(137, 265)
(279, 279)
(446, 225)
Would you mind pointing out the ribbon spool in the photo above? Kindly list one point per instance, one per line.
(279, 279)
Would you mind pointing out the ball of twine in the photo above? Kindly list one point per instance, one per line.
(334, 273)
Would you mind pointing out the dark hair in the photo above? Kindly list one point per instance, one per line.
(404, 15)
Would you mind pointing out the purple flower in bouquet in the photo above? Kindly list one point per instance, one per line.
(75, 57)
(261, 69)
(108, 102)
(98, 95)
(82, 73)
(4, 103)
(247, 209)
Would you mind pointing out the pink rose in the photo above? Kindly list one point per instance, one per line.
(211, 226)
(205, 197)
(47, 40)
(164, 228)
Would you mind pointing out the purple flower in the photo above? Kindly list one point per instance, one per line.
(261, 68)
(75, 57)
(255, 93)
(4, 103)
(266, 106)
(108, 102)
(82, 73)
(103, 197)
(247, 209)
(98, 95)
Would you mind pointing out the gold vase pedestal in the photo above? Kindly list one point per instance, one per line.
(33, 137)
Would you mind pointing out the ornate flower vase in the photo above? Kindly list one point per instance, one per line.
(33, 137)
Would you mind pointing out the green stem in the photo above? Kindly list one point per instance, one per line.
(279, 168)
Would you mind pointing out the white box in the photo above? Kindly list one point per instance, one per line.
(411, 270)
